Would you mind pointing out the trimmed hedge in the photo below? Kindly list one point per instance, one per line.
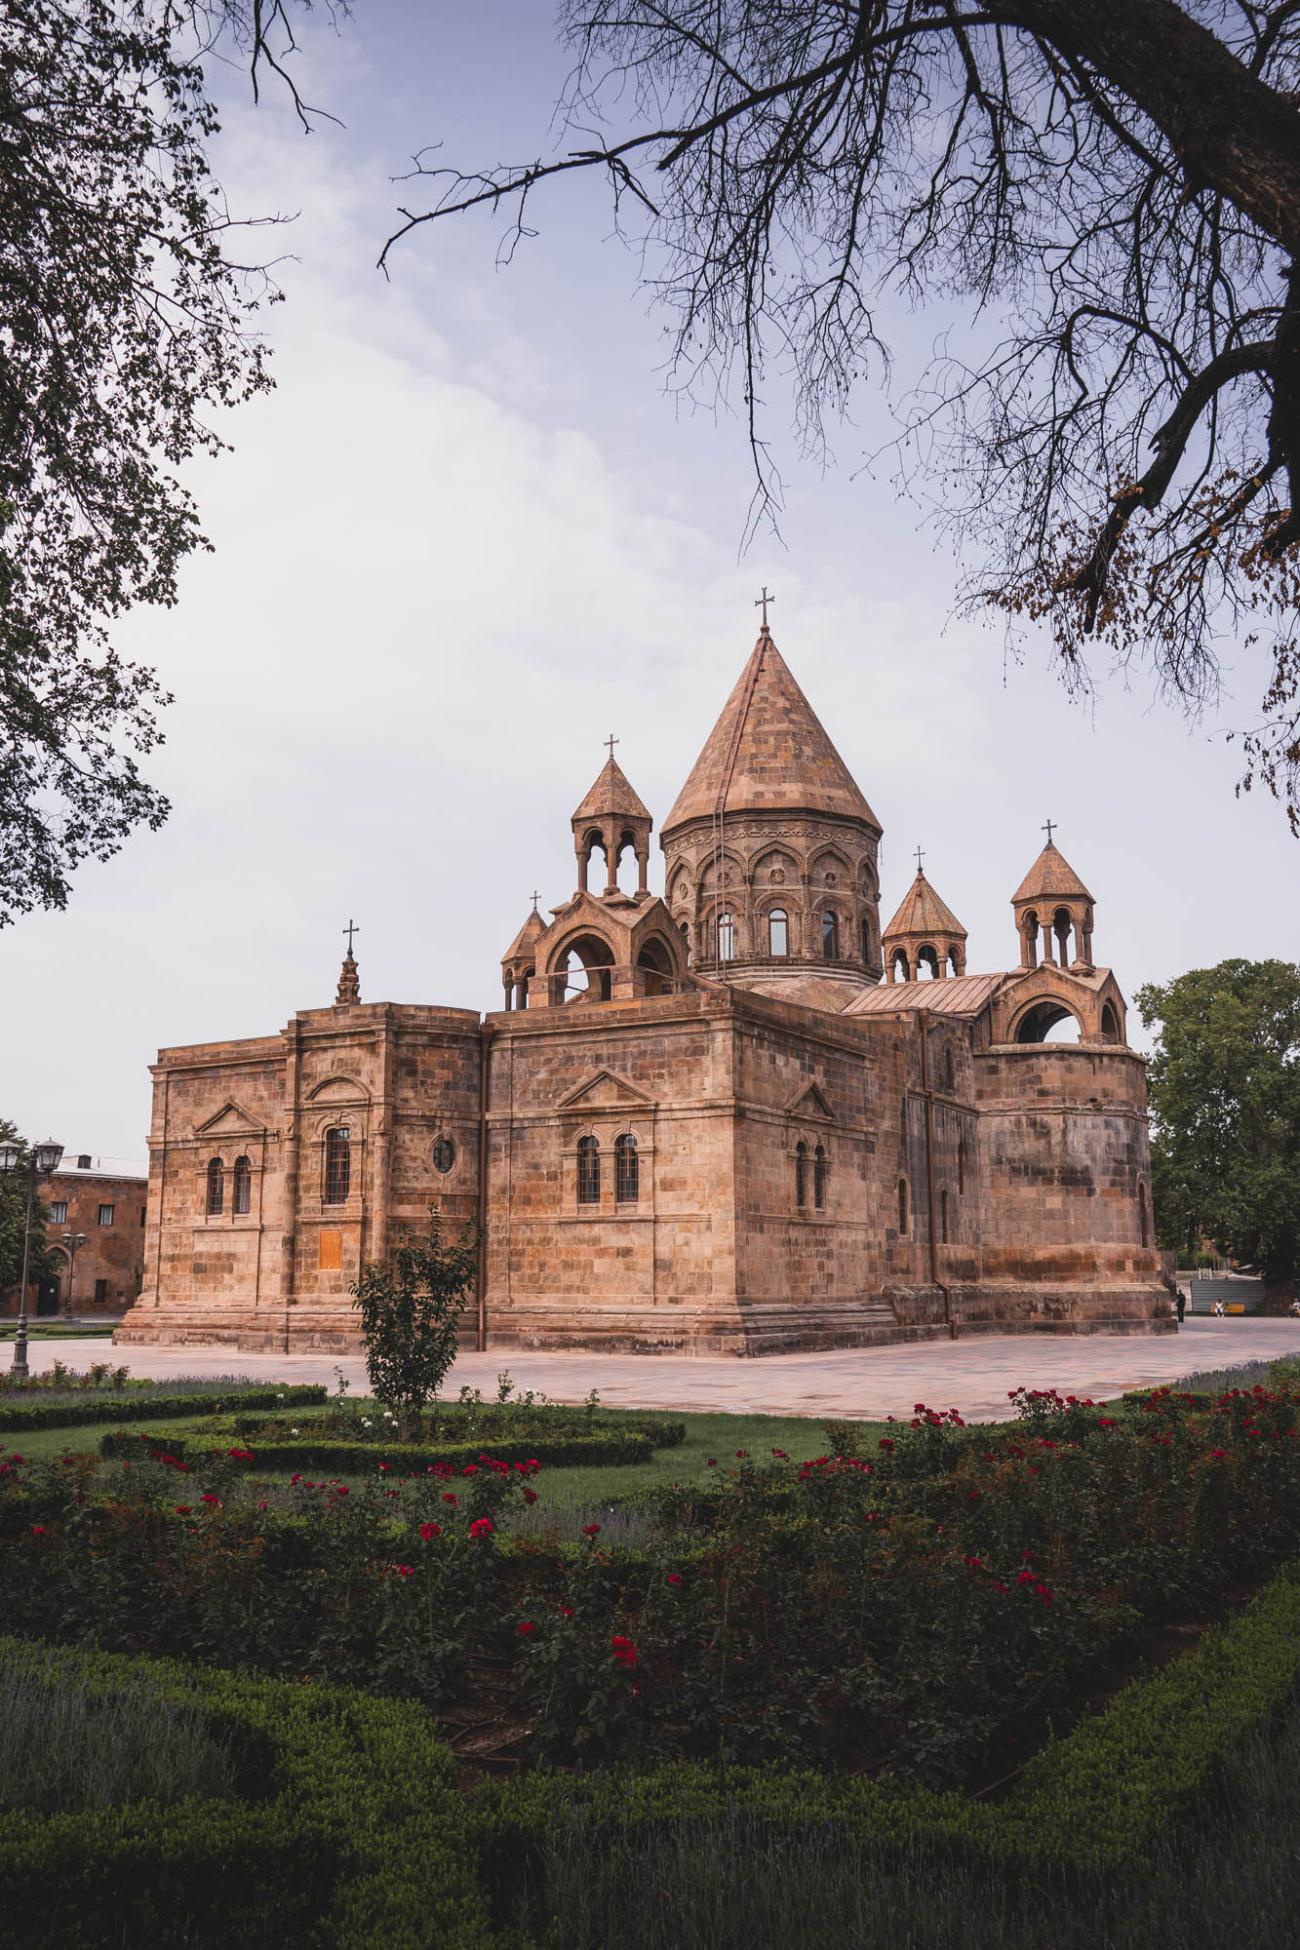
(360, 1841)
(150, 1408)
(1095, 1800)
(520, 1426)
(364, 1458)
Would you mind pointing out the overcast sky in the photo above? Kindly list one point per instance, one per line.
(468, 536)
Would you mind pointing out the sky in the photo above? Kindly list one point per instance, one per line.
(471, 534)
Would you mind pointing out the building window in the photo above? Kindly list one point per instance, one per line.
(101, 1293)
(902, 1206)
(866, 939)
(144, 1213)
(59, 1212)
(243, 1185)
(444, 1154)
(949, 1071)
(830, 936)
(106, 1215)
(588, 1171)
(726, 937)
(961, 1169)
(801, 1174)
(821, 1165)
(338, 1165)
(778, 932)
(627, 1170)
(943, 1216)
(216, 1186)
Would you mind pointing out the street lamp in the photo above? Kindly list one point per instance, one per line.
(74, 1241)
(41, 1160)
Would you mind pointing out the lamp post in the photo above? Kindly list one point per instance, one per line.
(40, 1161)
(74, 1241)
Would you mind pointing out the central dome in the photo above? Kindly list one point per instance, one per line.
(770, 848)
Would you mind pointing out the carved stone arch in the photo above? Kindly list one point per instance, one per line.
(733, 869)
(830, 859)
(340, 1090)
(1039, 1017)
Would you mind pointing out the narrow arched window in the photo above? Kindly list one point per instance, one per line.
(943, 1216)
(830, 936)
(243, 1185)
(820, 1167)
(627, 1170)
(444, 1154)
(961, 1169)
(1144, 1214)
(588, 1171)
(866, 939)
(949, 1070)
(338, 1165)
(726, 937)
(778, 932)
(902, 1205)
(216, 1186)
(801, 1175)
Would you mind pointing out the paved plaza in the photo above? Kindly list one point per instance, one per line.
(972, 1375)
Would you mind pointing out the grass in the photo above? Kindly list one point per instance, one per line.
(1231, 1879)
(65, 1748)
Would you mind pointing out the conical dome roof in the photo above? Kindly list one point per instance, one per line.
(922, 912)
(611, 793)
(768, 752)
(533, 927)
(1051, 878)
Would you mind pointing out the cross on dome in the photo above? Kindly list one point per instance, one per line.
(761, 602)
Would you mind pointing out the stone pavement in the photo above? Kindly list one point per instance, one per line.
(972, 1375)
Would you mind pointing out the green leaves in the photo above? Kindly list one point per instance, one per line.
(122, 322)
(1225, 1093)
(410, 1306)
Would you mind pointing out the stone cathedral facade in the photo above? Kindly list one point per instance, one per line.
(742, 1116)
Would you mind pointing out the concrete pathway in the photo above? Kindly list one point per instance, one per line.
(972, 1375)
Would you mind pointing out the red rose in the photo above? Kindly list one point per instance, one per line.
(38, 1530)
(470, 1469)
(429, 1531)
(481, 1527)
(208, 1497)
(887, 1442)
(712, 1463)
(405, 1570)
(741, 1454)
(341, 1489)
(185, 1509)
(591, 1530)
(450, 1496)
(674, 1577)
(530, 1496)
(566, 1611)
(526, 1628)
(623, 1651)
(15, 1458)
(441, 1469)
(240, 1455)
(263, 1506)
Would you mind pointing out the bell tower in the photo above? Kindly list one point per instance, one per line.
(1054, 911)
(612, 818)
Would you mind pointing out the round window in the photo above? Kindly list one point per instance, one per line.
(444, 1154)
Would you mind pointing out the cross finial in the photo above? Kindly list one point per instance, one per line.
(761, 602)
(919, 857)
(536, 898)
(349, 931)
(611, 741)
(1049, 826)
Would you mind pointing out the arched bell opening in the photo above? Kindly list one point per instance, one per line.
(656, 965)
(899, 966)
(1048, 1021)
(584, 972)
(1110, 1030)
(927, 963)
(593, 841)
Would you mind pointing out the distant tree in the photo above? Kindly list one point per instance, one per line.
(13, 1212)
(410, 1306)
(1115, 183)
(1225, 1093)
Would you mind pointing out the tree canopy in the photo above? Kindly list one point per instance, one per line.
(1225, 1094)
(1116, 183)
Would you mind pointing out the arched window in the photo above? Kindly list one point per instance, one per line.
(866, 939)
(243, 1185)
(444, 1154)
(902, 1206)
(627, 1170)
(899, 969)
(778, 932)
(801, 1174)
(1109, 1023)
(949, 1070)
(338, 1165)
(216, 1186)
(943, 1216)
(726, 936)
(927, 963)
(961, 1169)
(830, 935)
(588, 1171)
(1144, 1214)
(820, 1166)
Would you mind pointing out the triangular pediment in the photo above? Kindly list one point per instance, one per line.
(228, 1120)
(810, 1101)
(605, 1091)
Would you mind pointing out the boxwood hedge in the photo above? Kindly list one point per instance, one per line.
(357, 1836)
(144, 1406)
(364, 1458)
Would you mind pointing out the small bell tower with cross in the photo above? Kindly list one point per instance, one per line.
(349, 989)
(1054, 912)
(612, 818)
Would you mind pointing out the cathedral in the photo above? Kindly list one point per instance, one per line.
(741, 1117)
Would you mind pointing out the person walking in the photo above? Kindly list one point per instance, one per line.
(1180, 1303)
